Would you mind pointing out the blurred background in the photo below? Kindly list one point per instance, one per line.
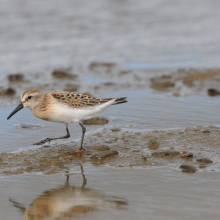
(108, 45)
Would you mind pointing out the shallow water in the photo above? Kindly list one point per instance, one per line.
(144, 110)
(143, 193)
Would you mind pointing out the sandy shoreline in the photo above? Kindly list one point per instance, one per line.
(195, 147)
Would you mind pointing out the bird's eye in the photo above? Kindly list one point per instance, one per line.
(29, 97)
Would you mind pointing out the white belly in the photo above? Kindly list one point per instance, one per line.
(65, 114)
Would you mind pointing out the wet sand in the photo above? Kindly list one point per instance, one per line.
(197, 148)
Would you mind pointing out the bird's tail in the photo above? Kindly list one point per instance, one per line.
(120, 100)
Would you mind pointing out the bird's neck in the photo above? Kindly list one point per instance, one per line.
(41, 109)
(39, 102)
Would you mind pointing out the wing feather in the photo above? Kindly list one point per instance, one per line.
(76, 100)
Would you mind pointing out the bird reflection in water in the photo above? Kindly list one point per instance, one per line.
(68, 202)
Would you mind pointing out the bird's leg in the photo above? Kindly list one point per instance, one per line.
(50, 139)
(83, 133)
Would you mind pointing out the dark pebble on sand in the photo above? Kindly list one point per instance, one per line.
(204, 160)
(63, 74)
(16, 77)
(96, 121)
(213, 92)
(7, 92)
(206, 132)
(188, 169)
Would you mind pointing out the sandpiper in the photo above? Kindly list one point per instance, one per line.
(64, 107)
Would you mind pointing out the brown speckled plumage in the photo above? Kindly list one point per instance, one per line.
(76, 100)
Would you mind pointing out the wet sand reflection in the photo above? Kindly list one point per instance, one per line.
(68, 201)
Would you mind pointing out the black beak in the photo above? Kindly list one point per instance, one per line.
(18, 108)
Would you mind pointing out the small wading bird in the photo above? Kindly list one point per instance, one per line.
(64, 107)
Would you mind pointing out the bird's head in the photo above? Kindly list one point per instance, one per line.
(29, 98)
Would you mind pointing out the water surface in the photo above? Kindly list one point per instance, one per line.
(143, 193)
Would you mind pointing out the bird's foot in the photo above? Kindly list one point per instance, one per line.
(82, 149)
(43, 141)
